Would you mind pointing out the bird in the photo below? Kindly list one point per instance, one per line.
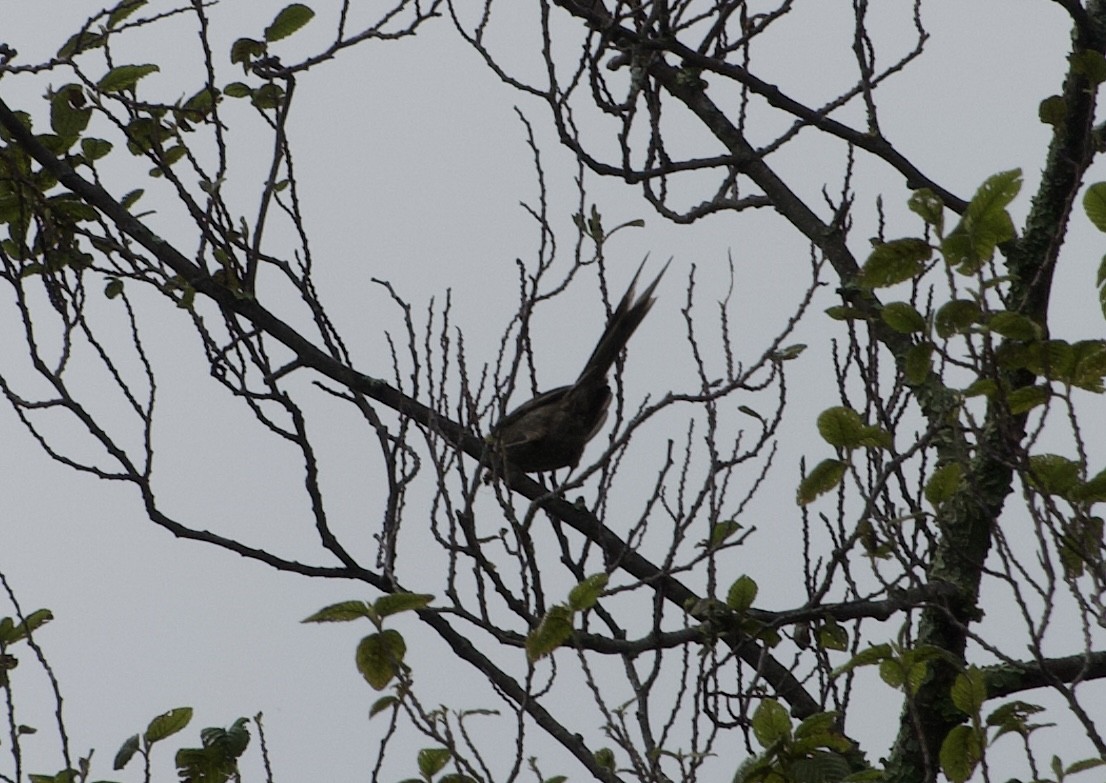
(550, 431)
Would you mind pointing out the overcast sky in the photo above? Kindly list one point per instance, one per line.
(413, 163)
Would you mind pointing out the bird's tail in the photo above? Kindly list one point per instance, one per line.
(621, 326)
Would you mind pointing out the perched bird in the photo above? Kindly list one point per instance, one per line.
(551, 430)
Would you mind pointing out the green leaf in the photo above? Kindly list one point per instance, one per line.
(83, 41)
(770, 722)
(902, 317)
(956, 317)
(69, 114)
(382, 704)
(113, 288)
(401, 602)
(131, 198)
(721, 532)
(379, 657)
(245, 50)
(895, 262)
(841, 427)
(1091, 64)
(917, 363)
(790, 352)
(826, 475)
(943, 484)
(268, 96)
(984, 225)
(237, 90)
(817, 767)
(94, 149)
(928, 205)
(125, 753)
(125, 77)
(554, 628)
(1093, 490)
(432, 760)
(167, 724)
(1052, 474)
(122, 10)
(871, 655)
(288, 21)
(846, 313)
(741, 594)
(341, 613)
(604, 757)
(586, 594)
(969, 691)
(1014, 326)
(1094, 204)
(832, 636)
(1052, 111)
(1027, 398)
(961, 750)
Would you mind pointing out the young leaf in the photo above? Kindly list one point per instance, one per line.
(902, 317)
(894, 262)
(741, 594)
(826, 475)
(553, 629)
(288, 21)
(431, 761)
(167, 724)
(585, 595)
(1094, 204)
(400, 602)
(125, 77)
(771, 722)
(943, 484)
(341, 613)
(379, 657)
(960, 752)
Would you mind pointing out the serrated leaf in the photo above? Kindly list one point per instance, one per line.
(1093, 490)
(604, 757)
(432, 760)
(817, 767)
(401, 602)
(167, 724)
(867, 657)
(902, 317)
(379, 657)
(960, 751)
(895, 262)
(741, 594)
(956, 317)
(555, 627)
(341, 612)
(943, 484)
(1094, 204)
(832, 636)
(969, 691)
(288, 21)
(1052, 474)
(122, 10)
(917, 363)
(826, 475)
(1014, 326)
(928, 205)
(81, 42)
(1027, 398)
(984, 225)
(125, 753)
(770, 722)
(586, 594)
(125, 77)
(69, 115)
